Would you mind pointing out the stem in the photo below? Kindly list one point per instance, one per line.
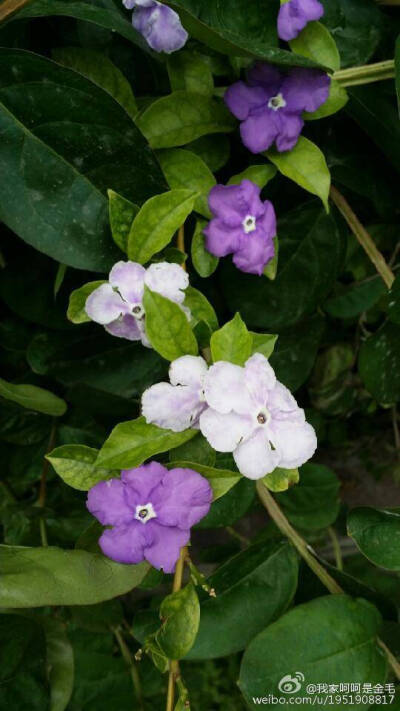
(336, 548)
(7, 7)
(307, 554)
(174, 664)
(181, 243)
(235, 534)
(354, 76)
(363, 237)
(132, 666)
(43, 481)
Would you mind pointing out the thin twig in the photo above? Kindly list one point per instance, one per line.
(8, 7)
(180, 243)
(237, 535)
(363, 237)
(307, 554)
(125, 651)
(174, 664)
(354, 76)
(336, 548)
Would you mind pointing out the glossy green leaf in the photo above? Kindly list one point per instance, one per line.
(122, 213)
(195, 450)
(356, 298)
(213, 150)
(131, 443)
(376, 533)
(156, 223)
(379, 364)
(305, 164)
(74, 463)
(314, 503)
(262, 579)
(264, 343)
(232, 506)
(76, 308)
(221, 480)
(316, 42)
(296, 351)
(271, 268)
(100, 70)
(54, 197)
(281, 479)
(335, 637)
(190, 72)
(204, 262)
(356, 26)
(180, 614)
(233, 342)
(60, 659)
(33, 398)
(167, 327)
(35, 577)
(200, 308)
(182, 117)
(184, 169)
(258, 174)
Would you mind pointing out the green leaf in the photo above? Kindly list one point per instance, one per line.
(167, 327)
(262, 579)
(335, 637)
(33, 398)
(232, 342)
(394, 300)
(263, 343)
(356, 298)
(99, 69)
(337, 99)
(314, 503)
(232, 506)
(379, 364)
(357, 28)
(60, 660)
(281, 479)
(180, 614)
(23, 663)
(271, 268)
(305, 164)
(54, 198)
(190, 72)
(316, 42)
(376, 533)
(74, 463)
(204, 262)
(35, 577)
(196, 450)
(122, 213)
(237, 29)
(258, 174)
(183, 169)
(296, 351)
(131, 443)
(213, 150)
(200, 308)
(182, 117)
(221, 480)
(76, 308)
(156, 223)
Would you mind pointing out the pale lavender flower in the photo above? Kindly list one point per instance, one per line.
(158, 24)
(151, 510)
(295, 15)
(117, 305)
(255, 417)
(243, 225)
(270, 105)
(177, 405)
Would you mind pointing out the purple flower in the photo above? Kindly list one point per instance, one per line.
(151, 511)
(159, 25)
(295, 15)
(118, 305)
(242, 225)
(271, 104)
(177, 406)
(254, 416)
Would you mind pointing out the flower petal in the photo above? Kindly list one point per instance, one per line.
(254, 457)
(161, 27)
(172, 407)
(305, 89)
(104, 305)
(169, 280)
(126, 327)
(225, 388)
(126, 544)
(241, 99)
(188, 370)
(295, 15)
(281, 401)
(164, 550)
(128, 278)
(260, 129)
(230, 203)
(224, 431)
(295, 441)
(106, 500)
(183, 498)
(260, 378)
(255, 252)
(221, 239)
(291, 126)
(140, 483)
(266, 75)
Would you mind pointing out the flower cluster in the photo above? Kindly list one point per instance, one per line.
(243, 225)
(295, 15)
(246, 411)
(159, 25)
(151, 510)
(118, 305)
(270, 105)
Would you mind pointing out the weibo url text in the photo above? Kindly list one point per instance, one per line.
(326, 700)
